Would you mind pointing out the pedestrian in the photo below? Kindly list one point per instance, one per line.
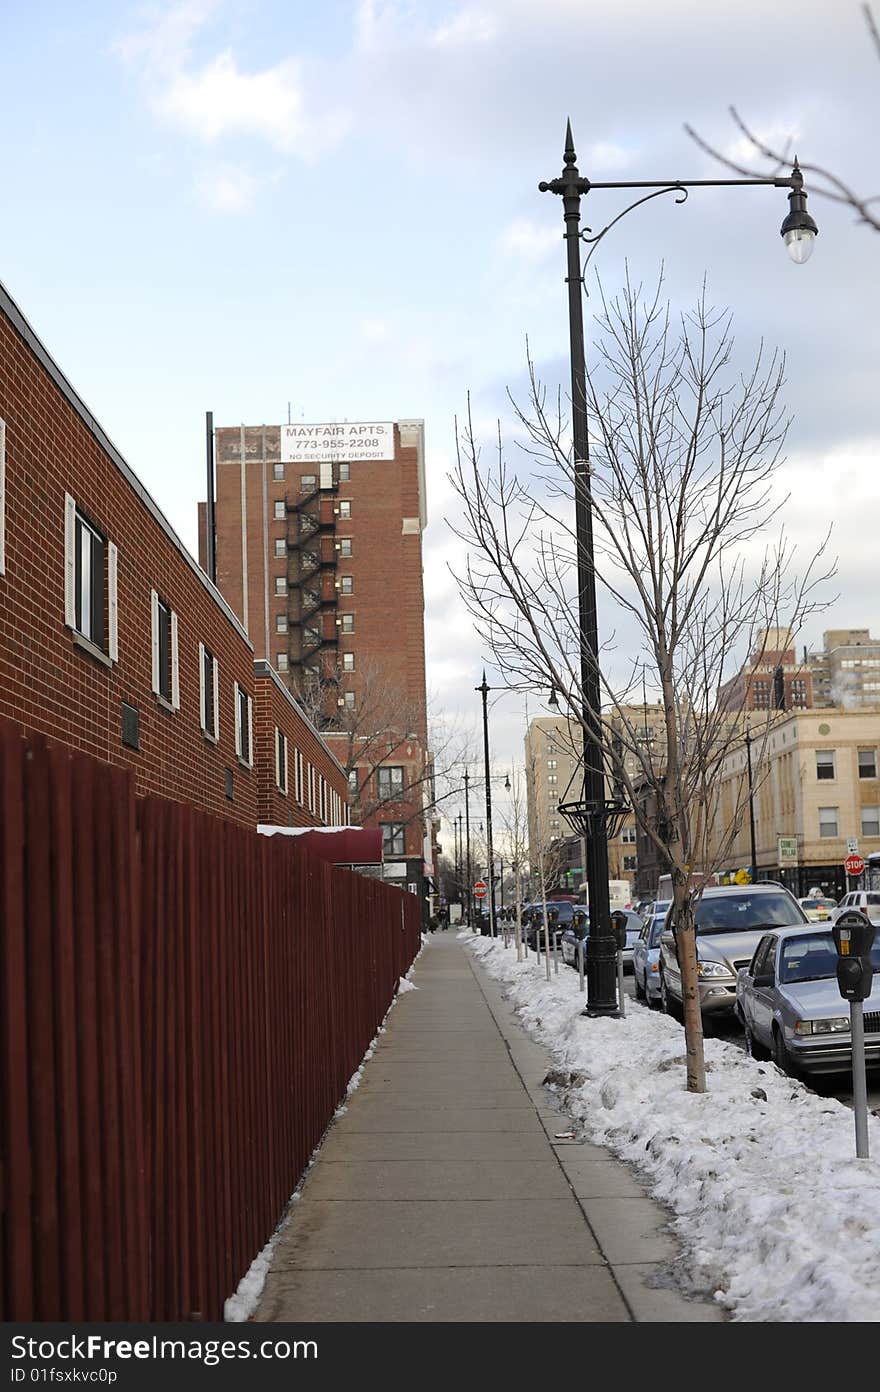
(444, 918)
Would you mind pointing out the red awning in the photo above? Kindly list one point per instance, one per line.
(339, 845)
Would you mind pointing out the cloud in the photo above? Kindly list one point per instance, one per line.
(217, 98)
(468, 27)
(227, 189)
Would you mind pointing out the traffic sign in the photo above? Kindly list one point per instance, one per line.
(852, 845)
(854, 865)
(480, 889)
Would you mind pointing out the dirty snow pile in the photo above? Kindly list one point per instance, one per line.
(775, 1215)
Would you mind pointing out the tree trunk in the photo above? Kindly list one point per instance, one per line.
(686, 951)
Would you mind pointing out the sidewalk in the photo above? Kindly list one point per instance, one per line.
(442, 1195)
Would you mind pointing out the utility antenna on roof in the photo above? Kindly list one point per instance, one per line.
(288, 413)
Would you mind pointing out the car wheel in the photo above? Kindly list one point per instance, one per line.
(781, 1057)
(667, 1004)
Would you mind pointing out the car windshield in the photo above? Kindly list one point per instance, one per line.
(811, 904)
(813, 957)
(743, 913)
(656, 930)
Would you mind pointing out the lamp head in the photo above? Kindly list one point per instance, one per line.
(507, 782)
(798, 231)
(552, 700)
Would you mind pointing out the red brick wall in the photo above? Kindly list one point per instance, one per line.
(275, 710)
(49, 684)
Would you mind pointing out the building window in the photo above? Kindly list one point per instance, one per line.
(825, 763)
(311, 783)
(308, 483)
(281, 662)
(298, 790)
(89, 581)
(166, 672)
(389, 781)
(871, 821)
(280, 623)
(278, 472)
(867, 763)
(551, 763)
(244, 734)
(346, 584)
(348, 662)
(630, 862)
(343, 546)
(628, 836)
(393, 839)
(322, 798)
(552, 778)
(827, 821)
(348, 623)
(281, 584)
(209, 701)
(348, 700)
(279, 510)
(280, 548)
(353, 781)
(344, 473)
(281, 762)
(345, 507)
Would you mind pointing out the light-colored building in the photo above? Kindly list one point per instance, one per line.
(847, 671)
(816, 783)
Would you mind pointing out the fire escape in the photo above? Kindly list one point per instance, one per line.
(312, 594)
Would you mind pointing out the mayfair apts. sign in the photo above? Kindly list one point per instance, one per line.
(331, 441)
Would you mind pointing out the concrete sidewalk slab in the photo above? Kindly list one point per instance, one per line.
(442, 1192)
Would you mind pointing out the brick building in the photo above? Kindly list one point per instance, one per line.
(112, 638)
(318, 544)
(771, 679)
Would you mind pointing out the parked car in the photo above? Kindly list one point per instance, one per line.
(790, 1006)
(571, 937)
(535, 924)
(818, 910)
(731, 920)
(634, 926)
(865, 899)
(646, 959)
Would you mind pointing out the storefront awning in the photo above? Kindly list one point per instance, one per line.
(338, 845)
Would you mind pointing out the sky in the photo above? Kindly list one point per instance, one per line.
(240, 207)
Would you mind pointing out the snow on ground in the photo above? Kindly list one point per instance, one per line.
(239, 1307)
(775, 1215)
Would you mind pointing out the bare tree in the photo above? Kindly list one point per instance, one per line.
(823, 181)
(683, 467)
(513, 842)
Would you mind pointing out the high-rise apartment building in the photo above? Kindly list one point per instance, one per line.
(318, 545)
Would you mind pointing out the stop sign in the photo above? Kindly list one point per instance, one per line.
(854, 865)
(480, 889)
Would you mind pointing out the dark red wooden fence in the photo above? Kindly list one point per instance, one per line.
(183, 1003)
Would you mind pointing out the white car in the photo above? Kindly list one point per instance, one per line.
(818, 909)
(867, 900)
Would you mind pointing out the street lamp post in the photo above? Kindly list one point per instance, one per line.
(467, 829)
(484, 689)
(589, 816)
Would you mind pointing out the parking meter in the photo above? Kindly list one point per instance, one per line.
(552, 918)
(618, 928)
(579, 922)
(854, 937)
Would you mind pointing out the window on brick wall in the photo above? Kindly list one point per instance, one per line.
(346, 584)
(90, 564)
(347, 624)
(311, 783)
(280, 762)
(281, 662)
(209, 693)
(348, 700)
(393, 839)
(389, 781)
(343, 546)
(344, 506)
(353, 780)
(322, 801)
(279, 510)
(298, 782)
(348, 662)
(281, 584)
(280, 548)
(344, 473)
(166, 667)
(280, 623)
(278, 472)
(308, 483)
(244, 733)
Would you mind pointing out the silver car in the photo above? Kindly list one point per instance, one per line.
(792, 1011)
(731, 920)
(646, 957)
